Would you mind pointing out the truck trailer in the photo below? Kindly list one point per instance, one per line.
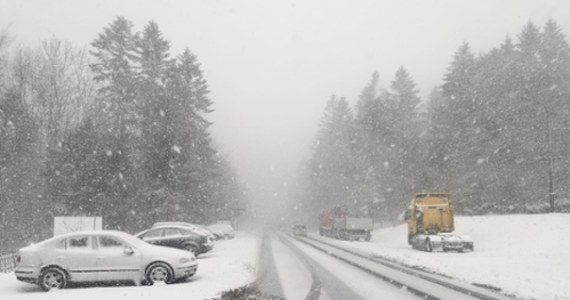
(336, 222)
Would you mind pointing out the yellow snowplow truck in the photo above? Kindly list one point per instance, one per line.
(431, 225)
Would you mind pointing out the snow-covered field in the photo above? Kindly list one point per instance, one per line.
(231, 264)
(527, 256)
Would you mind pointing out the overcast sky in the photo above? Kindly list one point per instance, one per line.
(272, 65)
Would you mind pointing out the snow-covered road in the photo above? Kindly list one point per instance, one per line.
(230, 265)
(337, 279)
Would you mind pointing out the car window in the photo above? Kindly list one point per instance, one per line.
(172, 232)
(110, 242)
(186, 232)
(153, 233)
(79, 243)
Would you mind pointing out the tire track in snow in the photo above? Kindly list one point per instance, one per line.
(267, 279)
(322, 278)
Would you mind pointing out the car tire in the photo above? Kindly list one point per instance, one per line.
(158, 272)
(52, 278)
(191, 248)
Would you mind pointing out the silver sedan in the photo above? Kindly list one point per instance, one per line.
(100, 256)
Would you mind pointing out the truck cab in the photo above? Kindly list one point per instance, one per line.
(430, 219)
(430, 214)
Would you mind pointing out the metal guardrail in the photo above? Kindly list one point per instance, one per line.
(7, 262)
(455, 286)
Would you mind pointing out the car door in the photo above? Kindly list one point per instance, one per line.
(117, 260)
(173, 237)
(79, 258)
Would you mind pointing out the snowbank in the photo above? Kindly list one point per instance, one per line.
(527, 256)
(231, 264)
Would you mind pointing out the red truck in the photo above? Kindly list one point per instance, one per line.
(336, 222)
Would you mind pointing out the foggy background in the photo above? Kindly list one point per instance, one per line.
(272, 65)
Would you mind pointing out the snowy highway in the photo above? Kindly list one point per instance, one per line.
(307, 273)
(424, 284)
(311, 268)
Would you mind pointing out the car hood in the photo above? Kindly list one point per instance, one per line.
(154, 251)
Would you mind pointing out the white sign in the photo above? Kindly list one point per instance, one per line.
(63, 225)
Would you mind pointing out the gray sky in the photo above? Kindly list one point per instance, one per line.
(272, 65)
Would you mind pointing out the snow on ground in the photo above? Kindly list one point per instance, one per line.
(231, 264)
(527, 256)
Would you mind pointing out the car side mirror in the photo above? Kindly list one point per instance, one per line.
(129, 250)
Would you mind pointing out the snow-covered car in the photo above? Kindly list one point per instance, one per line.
(223, 230)
(200, 229)
(100, 256)
(177, 236)
(443, 242)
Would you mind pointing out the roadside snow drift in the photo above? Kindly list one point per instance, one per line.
(527, 256)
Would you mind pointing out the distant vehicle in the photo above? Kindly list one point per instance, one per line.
(300, 230)
(430, 219)
(177, 236)
(223, 230)
(99, 256)
(200, 229)
(336, 222)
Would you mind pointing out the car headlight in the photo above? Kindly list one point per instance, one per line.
(185, 260)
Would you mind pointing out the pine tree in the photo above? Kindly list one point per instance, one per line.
(555, 92)
(367, 120)
(22, 210)
(115, 51)
(193, 167)
(153, 103)
(333, 167)
(404, 90)
(368, 144)
(406, 154)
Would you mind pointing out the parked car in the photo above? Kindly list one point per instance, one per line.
(200, 229)
(177, 236)
(99, 256)
(222, 230)
(300, 230)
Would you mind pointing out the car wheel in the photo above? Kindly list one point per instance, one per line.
(52, 278)
(158, 272)
(192, 249)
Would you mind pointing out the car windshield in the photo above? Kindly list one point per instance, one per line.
(131, 240)
(285, 149)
